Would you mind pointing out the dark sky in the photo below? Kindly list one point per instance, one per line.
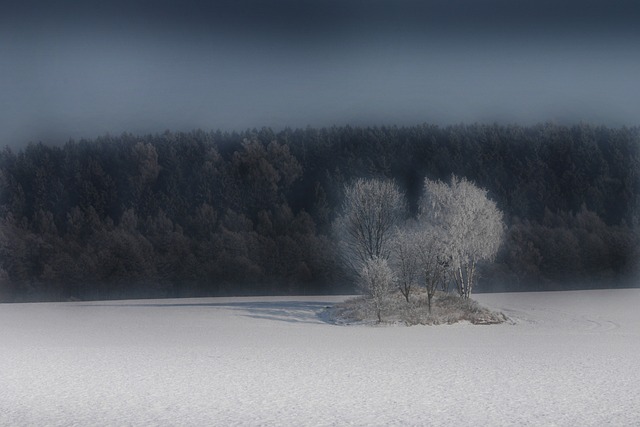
(82, 69)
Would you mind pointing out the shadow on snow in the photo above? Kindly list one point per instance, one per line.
(283, 311)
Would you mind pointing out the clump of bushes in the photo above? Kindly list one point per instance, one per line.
(445, 309)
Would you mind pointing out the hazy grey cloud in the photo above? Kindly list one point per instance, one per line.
(73, 69)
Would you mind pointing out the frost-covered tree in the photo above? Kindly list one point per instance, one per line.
(472, 226)
(376, 281)
(370, 210)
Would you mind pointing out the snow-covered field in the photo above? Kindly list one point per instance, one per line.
(568, 358)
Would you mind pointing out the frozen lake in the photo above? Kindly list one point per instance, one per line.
(567, 359)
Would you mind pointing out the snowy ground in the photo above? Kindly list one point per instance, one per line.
(568, 359)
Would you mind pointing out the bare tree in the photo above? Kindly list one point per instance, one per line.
(376, 281)
(404, 259)
(472, 224)
(370, 210)
(418, 253)
(432, 257)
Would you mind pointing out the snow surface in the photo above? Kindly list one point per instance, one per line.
(566, 359)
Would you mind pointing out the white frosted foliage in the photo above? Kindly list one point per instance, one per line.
(472, 224)
(370, 210)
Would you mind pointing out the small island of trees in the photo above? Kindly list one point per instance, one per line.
(457, 227)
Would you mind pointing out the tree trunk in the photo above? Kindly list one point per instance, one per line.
(405, 292)
(469, 282)
(445, 283)
(459, 276)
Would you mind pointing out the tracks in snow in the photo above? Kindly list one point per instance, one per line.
(551, 317)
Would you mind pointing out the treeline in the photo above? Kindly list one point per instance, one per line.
(212, 213)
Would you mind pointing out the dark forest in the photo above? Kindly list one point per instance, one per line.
(213, 213)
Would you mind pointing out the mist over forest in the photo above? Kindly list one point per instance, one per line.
(214, 213)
